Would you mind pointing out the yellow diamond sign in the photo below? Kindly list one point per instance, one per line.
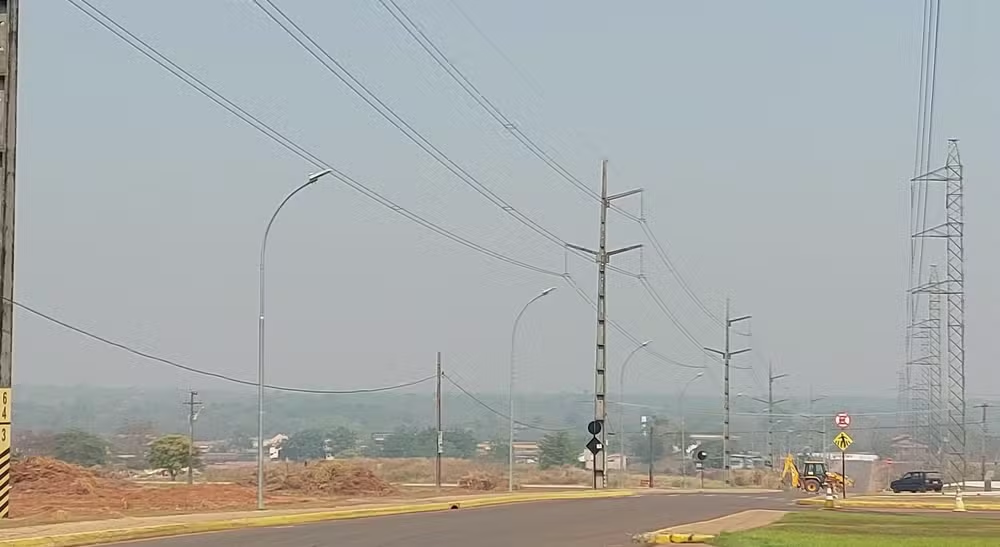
(842, 440)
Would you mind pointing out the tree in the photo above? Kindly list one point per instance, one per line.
(339, 440)
(307, 444)
(170, 452)
(557, 450)
(412, 443)
(81, 448)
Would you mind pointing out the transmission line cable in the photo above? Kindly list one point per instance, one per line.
(483, 404)
(335, 67)
(246, 117)
(152, 53)
(151, 357)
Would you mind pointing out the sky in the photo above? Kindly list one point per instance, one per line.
(772, 140)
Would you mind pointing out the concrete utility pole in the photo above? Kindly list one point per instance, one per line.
(194, 407)
(440, 436)
(982, 454)
(770, 402)
(603, 256)
(726, 357)
(8, 148)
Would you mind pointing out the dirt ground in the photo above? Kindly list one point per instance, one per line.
(48, 490)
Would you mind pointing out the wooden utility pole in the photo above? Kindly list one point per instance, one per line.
(8, 147)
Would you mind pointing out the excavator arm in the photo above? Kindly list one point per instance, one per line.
(791, 470)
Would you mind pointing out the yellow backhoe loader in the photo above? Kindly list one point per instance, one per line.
(814, 476)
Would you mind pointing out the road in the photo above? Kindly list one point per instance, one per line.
(576, 523)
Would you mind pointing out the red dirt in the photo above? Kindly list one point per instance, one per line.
(57, 490)
(46, 489)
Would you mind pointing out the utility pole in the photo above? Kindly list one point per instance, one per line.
(194, 407)
(8, 142)
(726, 357)
(440, 436)
(603, 256)
(770, 402)
(982, 454)
(652, 431)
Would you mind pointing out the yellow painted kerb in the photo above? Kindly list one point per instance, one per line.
(164, 530)
(664, 537)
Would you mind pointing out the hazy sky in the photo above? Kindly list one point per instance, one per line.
(773, 140)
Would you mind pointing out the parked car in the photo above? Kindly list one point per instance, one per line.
(917, 481)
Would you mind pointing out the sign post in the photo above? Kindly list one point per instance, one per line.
(843, 440)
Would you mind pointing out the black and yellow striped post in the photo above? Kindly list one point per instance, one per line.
(4, 452)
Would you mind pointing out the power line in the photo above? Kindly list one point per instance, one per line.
(428, 45)
(417, 33)
(497, 412)
(188, 368)
(301, 37)
(661, 252)
(152, 53)
(623, 331)
(243, 115)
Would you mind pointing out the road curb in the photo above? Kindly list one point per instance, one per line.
(665, 537)
(886, 504)
(175, 529)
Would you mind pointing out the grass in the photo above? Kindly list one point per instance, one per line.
(855, 529)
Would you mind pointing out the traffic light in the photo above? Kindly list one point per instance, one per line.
(701, 455)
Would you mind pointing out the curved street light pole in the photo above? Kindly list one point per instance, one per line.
(683, 440)
(622, 464)
(510, 391)
(260, 336)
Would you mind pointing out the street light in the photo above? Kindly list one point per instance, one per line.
(260, 335)
(622, 464)
(510, 390)
(683, 441)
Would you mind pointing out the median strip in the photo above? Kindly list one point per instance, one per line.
(96, 537)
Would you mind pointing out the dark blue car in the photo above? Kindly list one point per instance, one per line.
(918, 481)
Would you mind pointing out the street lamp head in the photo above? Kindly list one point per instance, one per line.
(646, 343)
(316, 176)
(699, 375)
(548, 290)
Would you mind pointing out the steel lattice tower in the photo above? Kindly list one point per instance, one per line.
(926, 373)
(953, 288)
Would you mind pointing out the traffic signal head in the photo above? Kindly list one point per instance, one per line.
(701, 455)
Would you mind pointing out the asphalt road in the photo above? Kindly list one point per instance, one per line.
(576, 523)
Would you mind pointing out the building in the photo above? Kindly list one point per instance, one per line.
(615, 461)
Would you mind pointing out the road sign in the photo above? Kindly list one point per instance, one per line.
(888, 461)
(699, 465)
(594, 427)
(842, 420)
(594, 446)
(843, 440)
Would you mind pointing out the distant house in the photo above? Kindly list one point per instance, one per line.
(273, 445)
(615, 461)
